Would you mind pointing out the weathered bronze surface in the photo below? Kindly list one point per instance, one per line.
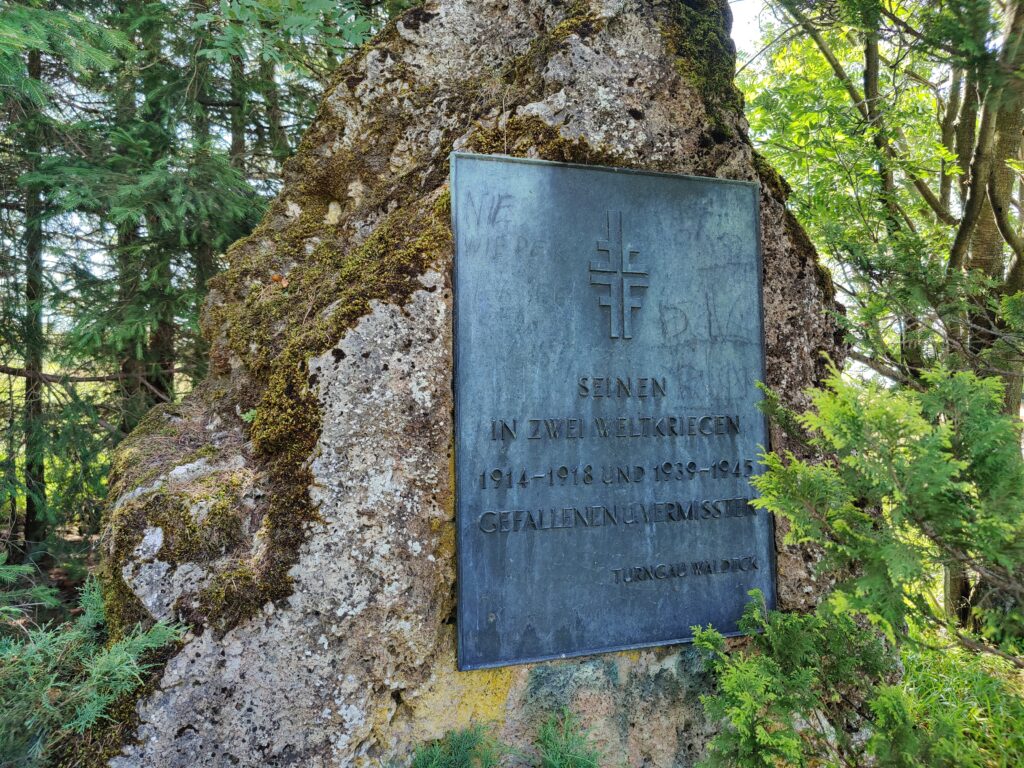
(608, 339)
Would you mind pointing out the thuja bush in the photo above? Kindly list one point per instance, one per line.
(19, 595)
(883, 672)
(919, 480)
(823, 690)
(57, 682)
(781, 699)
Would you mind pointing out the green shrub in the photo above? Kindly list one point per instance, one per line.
(919, 480)
(821, 689)
(795, 692)
(916, 480)
(57, 682)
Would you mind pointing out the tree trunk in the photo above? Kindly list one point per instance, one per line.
(956, 593)
(132, 396)
(36, 523)
(203, 256)
(278, 137)
(134, 401)
(161, 356)
(237, 151)
(1009, 127)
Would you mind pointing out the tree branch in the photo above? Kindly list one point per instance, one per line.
(881, 368)
(903, 26)
(57, 378)
(757, 55)
(948, 127)
(855, 96)
(866, 105)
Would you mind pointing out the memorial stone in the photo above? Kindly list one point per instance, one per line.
(297, 512)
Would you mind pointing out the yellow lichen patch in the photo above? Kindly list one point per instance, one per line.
(451, 700)
(633, 656)
(446, 544)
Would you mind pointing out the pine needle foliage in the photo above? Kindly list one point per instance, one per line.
(562, 743)
(138, 140)
(467, 748)
(72, 37)
(19, 597)
(57, 682)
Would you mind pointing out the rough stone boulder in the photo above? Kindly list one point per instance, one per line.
(296, 511)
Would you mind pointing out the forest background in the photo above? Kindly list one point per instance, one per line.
(140, 138)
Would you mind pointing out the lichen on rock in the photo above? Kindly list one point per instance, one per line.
(309, 546)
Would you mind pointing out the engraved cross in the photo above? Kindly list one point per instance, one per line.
(621, 275)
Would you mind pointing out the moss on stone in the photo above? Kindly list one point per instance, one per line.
(530, 136)
(233, 594)
(698, 37)
(770, 177)
(169, 436)
(276, 325)
(276, 329)
(123, 609)
(524, 70)
(139, 458)
(199, 524)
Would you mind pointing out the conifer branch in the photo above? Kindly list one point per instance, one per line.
(59, 378)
